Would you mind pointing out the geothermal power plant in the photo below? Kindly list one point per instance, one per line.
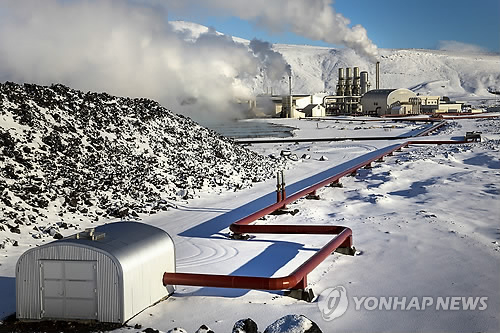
(355, 95)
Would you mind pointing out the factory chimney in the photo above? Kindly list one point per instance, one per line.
(290, 109)
(364, 82)
(377, 75)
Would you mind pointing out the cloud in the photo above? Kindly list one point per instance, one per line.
(128, 48)
(314, 19)
(455, 46)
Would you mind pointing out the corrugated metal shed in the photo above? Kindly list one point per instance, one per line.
(108, 274)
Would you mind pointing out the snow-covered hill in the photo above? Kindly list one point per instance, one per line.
(65, 152)
(430, 72)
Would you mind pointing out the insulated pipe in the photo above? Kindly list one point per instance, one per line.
(367, 138)
(298, 278)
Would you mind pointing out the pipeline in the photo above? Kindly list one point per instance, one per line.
(297, 280)
(363, 138)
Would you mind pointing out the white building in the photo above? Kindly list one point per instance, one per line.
(387, 101)
(314, 110)
(109, 274)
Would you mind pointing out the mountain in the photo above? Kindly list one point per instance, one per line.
(430, 72)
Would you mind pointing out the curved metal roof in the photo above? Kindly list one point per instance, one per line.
(379, 92)
(122, 240)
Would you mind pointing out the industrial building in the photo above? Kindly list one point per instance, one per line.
(302, 105)
(107, 274)
(380, 102)
(354, 96)
(436, 104)
(352, 84)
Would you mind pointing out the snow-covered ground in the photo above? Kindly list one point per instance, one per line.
(425, 224)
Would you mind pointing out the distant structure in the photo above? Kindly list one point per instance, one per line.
(354, 96)
(350, 87)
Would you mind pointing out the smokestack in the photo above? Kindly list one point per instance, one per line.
(377, 75)
(341, 75)
(356, 87)
(364, 82)
(290, 110)
(341, 83)
(348, 82)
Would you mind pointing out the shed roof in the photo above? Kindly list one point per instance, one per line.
(121, 239)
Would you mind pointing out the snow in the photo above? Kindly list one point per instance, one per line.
(424, 223)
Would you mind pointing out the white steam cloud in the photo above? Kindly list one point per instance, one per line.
(314, 19)
(129, 48)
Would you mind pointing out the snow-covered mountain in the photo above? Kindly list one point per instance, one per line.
(430, 72)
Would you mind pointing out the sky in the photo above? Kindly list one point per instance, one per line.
(427, 24)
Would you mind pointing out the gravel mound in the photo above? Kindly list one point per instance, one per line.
(63, 151)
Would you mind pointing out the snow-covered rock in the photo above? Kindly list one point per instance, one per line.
(177, 330)
(293, 324)
(64, 151)
(204, 329)
(245, 326)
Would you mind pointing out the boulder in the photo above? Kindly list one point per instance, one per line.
(245, 326)
(293, 324)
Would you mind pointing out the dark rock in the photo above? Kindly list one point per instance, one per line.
(245, 326)
(177, 330)
(14, 230)
(204, 329)
(151, 330)
(137, 326)
(72, 202)
(121, 212)
(58, 236)
(63, 225)
(15, 243)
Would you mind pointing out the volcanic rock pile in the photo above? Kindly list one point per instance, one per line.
(63, 151)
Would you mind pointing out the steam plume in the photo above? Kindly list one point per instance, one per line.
(314, 19)
(129, 48)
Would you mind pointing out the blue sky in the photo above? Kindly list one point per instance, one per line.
(390, 23)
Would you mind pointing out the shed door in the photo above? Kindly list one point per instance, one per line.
(69, 289)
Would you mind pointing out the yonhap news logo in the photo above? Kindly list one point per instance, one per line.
(333, 303)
